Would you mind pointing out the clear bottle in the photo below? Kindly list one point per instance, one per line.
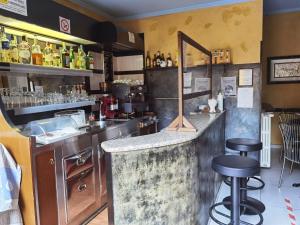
(48, 55)
(72, 59)
(24, 51)
(169, 60)
(13, 50)
(65, 56)
(37, 56)
(90, 61)
(81, 58)
(56, 57)
(4, 45)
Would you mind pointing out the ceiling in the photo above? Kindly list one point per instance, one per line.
(135, 9)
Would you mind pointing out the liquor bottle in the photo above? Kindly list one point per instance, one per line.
(90, 61)
(56, 57)
(37, 56)
(158, 59)
(81, 58)
(227, 56)
(65, 56)
(48, 55)
(163, 62)
(148, 60)
(72, 59)
(13, 50)
(169, 60)
(4, 45)
(24, 51)
(154, 61)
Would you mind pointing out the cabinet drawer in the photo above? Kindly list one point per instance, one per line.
(80, 192)
(79, 162)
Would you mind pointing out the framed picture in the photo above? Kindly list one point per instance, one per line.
(284, 69)
(245, 77)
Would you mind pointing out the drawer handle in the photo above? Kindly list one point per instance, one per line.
(51, 161)
(80, 161)
(82, 187)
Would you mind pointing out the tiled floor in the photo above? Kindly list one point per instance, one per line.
(273, 197)
(101, 219)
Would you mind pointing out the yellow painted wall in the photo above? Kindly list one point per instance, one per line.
(281, 35)
(238, 27)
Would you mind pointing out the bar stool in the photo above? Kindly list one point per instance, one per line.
(244, 145)
(236, 167)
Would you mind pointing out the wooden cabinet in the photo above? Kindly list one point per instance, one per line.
(46, 188)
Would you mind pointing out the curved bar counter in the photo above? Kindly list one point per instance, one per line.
(165, 178)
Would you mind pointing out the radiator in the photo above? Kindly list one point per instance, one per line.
(265, 155)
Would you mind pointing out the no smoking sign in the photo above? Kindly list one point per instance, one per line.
(64, 25)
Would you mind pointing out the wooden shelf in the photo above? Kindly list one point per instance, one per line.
(43, 70)
(190, 67)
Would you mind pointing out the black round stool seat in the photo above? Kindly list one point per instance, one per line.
(244, 144)
(235, 166)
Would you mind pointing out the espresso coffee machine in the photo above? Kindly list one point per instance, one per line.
(109, 107)
(131, 97)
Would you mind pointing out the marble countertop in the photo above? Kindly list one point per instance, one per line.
(162, 138)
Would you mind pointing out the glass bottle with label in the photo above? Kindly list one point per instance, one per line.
(90, 61)
(37, 56)
(154, 61)
(56, 57)
(48, 55)
(4, 46)
(148, 60)
(72, 59)
(169, 60)
(158, 59)
(65, 56)
(13, 50)
(24, 51)
(81, 58)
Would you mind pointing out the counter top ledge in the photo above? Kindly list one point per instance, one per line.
(162, 138)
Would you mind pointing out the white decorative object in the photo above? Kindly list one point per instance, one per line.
(220, 101)
(212, 105)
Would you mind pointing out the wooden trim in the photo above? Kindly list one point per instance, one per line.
(129, 72)
(181, 123)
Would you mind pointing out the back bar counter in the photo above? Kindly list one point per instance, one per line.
(165, 178)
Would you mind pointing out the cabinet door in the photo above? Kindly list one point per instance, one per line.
(46, 187)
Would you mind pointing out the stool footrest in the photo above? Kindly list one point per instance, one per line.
(213, 208)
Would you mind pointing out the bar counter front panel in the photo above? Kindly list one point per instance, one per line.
(165, 185)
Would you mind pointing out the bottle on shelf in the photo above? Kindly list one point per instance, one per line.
(4, 46)
(148, 60)
(90, 61)
(169, 60)
(154, 61)
(227, 56)
(163, 62)
(37, 56)
(24, 51)
(81, 58)
(72, 59)
(48, 55)
(13, 50)
(56, 57)
(65, 56)
(158, 59)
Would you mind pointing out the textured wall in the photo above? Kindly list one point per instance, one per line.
(238, 27)
(239, 122)
(167, 185)
(281, 38)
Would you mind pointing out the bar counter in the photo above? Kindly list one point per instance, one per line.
(165, 178)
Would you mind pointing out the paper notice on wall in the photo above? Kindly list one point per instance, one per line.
(229, 86)
(245, 98)
(187, 91)
(202, 84)
(187, 79)
(15, 6)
